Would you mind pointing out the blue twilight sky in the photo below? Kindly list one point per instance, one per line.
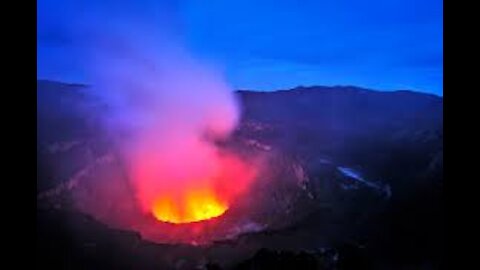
(270, 44)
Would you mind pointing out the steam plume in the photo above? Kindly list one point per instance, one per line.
(166, 109)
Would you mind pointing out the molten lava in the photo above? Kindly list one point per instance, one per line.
(191, 206)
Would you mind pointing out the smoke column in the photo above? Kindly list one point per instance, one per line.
(166, 109)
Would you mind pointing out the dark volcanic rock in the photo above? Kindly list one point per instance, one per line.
(268, 259)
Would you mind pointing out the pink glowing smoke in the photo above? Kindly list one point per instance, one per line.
(165, 110)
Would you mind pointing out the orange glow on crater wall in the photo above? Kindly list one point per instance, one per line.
(193, 182)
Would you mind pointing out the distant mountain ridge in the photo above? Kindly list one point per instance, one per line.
(339, 87)
(46, 82)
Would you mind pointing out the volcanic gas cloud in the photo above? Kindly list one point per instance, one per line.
(169, 112)
(178, 172)
(165, 111)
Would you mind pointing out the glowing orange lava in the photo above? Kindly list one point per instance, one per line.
(190, 206)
